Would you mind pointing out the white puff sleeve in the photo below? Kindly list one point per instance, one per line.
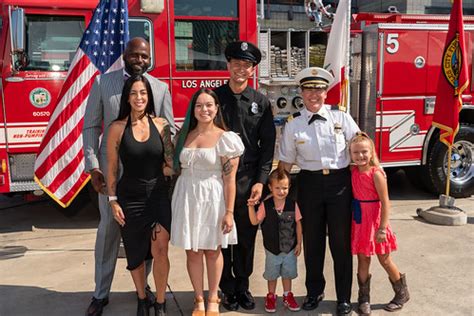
(230, 145)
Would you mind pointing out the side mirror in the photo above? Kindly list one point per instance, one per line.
(17, 35)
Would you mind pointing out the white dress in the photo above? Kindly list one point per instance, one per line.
(198, 205)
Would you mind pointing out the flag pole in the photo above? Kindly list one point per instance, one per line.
(448, 175)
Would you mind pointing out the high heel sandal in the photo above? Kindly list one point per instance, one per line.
(213, 301)
(197, 311)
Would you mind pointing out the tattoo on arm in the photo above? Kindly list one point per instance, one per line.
(168, 145)
(227, 167)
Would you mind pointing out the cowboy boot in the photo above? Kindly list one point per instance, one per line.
(364, 295)
(401, 294)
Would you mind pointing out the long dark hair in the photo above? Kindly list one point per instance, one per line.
(125, 107)
(218, 120)
(190, 122)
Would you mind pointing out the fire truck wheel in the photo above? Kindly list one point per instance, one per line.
(462, 168)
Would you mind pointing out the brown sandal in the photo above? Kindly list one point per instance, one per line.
(197, 311)
(213, 301)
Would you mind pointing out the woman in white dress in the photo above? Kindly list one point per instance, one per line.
(202, 206)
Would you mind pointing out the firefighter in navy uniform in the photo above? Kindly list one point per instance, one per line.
(248, 113)
(315, 139)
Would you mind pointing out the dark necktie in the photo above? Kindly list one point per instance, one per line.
(316, 117)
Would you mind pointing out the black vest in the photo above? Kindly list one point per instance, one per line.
(279, 231)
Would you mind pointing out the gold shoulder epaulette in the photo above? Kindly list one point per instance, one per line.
(292, 116)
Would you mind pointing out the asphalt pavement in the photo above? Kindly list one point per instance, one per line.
(47, 263)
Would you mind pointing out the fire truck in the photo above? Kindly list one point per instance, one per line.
(395, 64)
(394, 67)
(39, 38)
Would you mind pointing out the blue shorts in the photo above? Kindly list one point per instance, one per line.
(283, 265)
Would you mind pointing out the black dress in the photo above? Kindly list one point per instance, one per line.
(142, 193)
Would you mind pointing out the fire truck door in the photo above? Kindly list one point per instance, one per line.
(402, 87)
(31, 94)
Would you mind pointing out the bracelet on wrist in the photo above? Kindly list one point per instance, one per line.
(229, 211)
(111, 198)
(382, 230)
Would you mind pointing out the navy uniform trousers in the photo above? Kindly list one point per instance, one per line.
(325, 203)
(238, 258)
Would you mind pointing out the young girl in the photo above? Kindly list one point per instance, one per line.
(371, 232)
(280, 220)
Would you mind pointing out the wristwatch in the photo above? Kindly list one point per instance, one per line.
(111, 198)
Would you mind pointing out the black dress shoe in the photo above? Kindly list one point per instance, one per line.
(96, 306)
(150, 297)
(312, 302)
(229, 301)
(160, 308)
(246, 300)
(143, 309)
(344, 308)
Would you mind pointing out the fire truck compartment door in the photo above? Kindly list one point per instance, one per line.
(403, 62)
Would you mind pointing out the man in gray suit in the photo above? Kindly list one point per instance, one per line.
(102, 108)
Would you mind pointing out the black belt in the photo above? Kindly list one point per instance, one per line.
(325, 172)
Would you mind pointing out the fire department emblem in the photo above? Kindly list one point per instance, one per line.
(452, 59)
(40, 97)
(244, 46)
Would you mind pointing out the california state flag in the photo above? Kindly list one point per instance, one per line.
(336, 60)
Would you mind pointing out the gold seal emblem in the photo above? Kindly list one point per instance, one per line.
(452, 59)
(314, 72)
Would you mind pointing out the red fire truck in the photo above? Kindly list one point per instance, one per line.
(188, 39)
(395, 64)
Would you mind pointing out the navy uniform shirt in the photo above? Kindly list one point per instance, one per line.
(321, 144)
(249, 114)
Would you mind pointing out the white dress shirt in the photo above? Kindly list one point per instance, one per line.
(321, 144)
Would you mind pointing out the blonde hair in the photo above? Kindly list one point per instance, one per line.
(361, 137)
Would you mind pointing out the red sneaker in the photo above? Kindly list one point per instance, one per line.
(270, 303)
(290, 302)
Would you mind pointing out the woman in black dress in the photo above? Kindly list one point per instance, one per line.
(139, 200)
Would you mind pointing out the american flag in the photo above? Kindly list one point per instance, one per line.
(59, 166)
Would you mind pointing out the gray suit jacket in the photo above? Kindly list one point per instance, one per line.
(103, 107)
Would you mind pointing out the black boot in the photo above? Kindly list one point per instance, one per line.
(143, 307)
(160, 309)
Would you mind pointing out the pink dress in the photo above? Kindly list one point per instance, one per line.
(363, 234)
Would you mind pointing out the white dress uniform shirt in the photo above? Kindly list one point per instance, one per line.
(321, 144)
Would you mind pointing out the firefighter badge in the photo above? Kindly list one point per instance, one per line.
(254, 108)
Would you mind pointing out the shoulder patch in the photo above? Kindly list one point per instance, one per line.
(292, 116)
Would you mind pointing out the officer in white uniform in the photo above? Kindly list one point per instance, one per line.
(315, 139)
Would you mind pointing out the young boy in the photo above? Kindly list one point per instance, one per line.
(280, 220)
